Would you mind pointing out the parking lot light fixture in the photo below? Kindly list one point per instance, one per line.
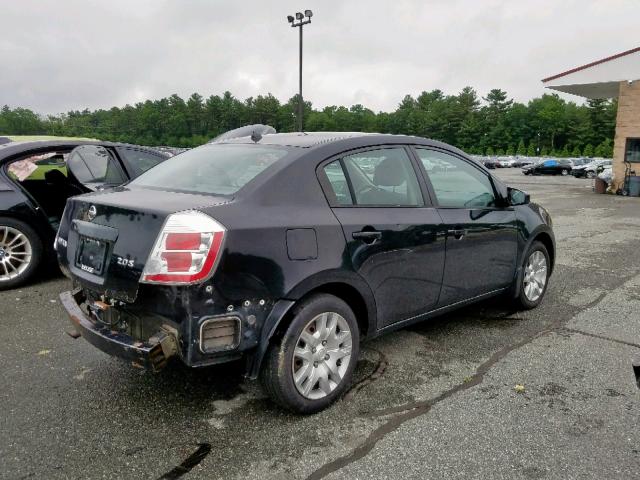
(299, 21)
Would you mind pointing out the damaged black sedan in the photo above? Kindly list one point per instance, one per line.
(286, 251)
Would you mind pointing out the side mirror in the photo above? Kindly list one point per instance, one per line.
(518, 197)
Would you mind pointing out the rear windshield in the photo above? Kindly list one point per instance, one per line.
(213, 169)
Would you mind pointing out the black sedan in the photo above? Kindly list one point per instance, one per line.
(37, 178)
(288, 250)
(549, 167)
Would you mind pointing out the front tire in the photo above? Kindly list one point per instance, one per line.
(21, 252)
(312, 363)
(534, 276)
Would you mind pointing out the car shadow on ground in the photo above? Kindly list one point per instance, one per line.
(192, 390)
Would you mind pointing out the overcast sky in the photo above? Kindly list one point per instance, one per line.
(71, 54)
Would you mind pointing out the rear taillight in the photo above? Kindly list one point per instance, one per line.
(186, 250)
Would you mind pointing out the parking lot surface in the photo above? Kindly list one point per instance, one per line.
(437, 400)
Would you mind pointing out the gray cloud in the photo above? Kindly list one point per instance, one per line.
(75, 54)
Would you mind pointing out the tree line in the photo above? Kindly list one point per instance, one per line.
(490, 125)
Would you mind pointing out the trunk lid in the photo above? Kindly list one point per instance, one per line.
(105, 238)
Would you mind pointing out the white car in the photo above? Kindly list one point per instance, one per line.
(590, 170)
(506, 162)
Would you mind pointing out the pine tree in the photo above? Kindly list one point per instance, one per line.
(500, 152)
(521, 148)
(565, 152)
(510, 151)
(588, 151)
(531, 151)
(544, 152)
(576, 151)
(605, 149)
(490, 152)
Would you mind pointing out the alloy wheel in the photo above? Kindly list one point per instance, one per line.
(15, 253)
(322, 355)
(535, 276)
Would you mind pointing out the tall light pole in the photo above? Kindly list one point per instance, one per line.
(299, 21)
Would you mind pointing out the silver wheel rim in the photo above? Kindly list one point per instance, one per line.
(565, 172)
(322, 355)
(535, 276)
(15, 253)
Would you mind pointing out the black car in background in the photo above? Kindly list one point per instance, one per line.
(490, 163)
(287, 251)
(549, 167)
(37, 178)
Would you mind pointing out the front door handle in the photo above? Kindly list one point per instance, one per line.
(367, 236)
(457, 234)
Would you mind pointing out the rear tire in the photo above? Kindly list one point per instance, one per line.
(304, 370)
(534, 277)
(564, 172)
(21, 252)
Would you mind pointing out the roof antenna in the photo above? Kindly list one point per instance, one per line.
(256, 136)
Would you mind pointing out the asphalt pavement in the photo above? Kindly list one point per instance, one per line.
(486, 392)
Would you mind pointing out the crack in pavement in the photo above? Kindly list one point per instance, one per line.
(187, 465)
(372, 377)
(416, 409)
(404, 413)
(601, 337)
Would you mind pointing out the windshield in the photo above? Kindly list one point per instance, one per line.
(213, 169)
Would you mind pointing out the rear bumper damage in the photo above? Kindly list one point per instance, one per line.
(151, 354)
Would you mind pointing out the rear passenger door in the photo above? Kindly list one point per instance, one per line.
(481, 242)
(393, 233)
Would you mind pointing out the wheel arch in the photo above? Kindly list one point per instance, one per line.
(546, 239)
(348, 287)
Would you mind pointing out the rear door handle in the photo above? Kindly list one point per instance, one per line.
(457, 234)
(367, 236)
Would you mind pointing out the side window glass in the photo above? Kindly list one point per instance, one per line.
(456, 182)
(383, 177)
(338, 182)
(39, 167)
(94, 164)
(139, 160)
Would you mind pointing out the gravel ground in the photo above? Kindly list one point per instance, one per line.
(437, 400)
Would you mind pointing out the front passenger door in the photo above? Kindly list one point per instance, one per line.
(481, 245)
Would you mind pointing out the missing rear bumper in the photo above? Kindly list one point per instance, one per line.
(152, 354)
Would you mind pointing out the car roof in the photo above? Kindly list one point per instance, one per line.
(14, 149)
(343, 140)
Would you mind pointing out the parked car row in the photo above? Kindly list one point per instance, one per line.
(579, 168)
